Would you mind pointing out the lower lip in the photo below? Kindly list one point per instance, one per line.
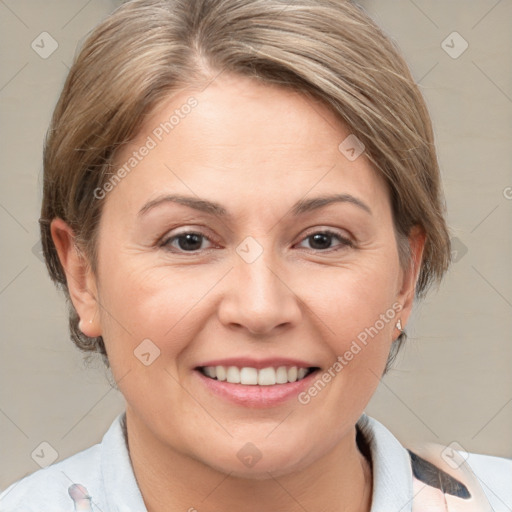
(256, 396)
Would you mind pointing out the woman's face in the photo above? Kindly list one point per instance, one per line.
(290, 261)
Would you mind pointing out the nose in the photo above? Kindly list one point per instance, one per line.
(259, 298)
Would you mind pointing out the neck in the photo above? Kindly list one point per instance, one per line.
(170, 480)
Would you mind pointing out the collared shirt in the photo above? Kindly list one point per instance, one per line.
(101, 478)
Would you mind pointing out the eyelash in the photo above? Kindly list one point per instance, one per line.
(345, 242)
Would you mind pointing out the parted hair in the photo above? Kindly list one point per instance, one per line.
(330, 50)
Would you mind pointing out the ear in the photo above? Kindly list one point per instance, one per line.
(80, 279)
(407, 290)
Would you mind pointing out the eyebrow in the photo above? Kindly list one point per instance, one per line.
(300, 207)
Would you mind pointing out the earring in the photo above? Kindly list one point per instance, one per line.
(81, 325)
(399, 326)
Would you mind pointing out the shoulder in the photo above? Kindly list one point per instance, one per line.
(100, 478)
(464, 481)
(77, 481)
(495, 477)
(432, 476)
(48, 489)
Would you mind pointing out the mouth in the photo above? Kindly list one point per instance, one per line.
(250, 376)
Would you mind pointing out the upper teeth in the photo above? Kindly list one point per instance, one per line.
(252, 376)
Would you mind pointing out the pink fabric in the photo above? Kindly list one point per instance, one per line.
(426, 498)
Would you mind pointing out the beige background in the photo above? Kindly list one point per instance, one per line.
(454, 380)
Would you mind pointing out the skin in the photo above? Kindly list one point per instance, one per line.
(256, 149)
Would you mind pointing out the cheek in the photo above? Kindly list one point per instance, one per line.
(142, 301)
(349, 300)
(358, 311)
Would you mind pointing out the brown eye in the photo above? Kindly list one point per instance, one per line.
(323, 240)
(185, 242)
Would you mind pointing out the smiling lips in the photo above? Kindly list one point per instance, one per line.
(249, 382)
(250, 376)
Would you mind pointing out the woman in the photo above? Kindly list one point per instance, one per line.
(241, 202)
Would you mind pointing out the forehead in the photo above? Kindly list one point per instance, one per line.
(238, 135)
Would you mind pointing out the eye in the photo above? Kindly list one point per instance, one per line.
(188, 241)
(192, 241)
(322, 240)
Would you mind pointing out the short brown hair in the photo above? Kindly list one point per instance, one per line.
(328, 49)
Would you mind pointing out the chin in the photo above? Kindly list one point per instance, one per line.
(248, 462)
